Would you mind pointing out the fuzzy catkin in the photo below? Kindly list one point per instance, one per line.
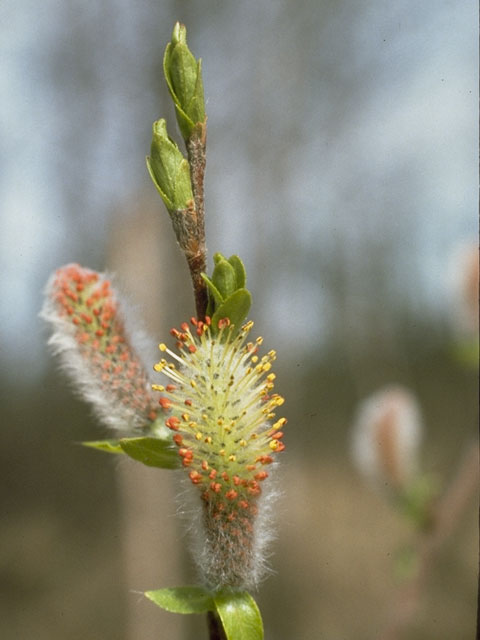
(221, 408)
(95, 349)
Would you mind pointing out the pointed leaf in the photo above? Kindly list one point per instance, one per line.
(236, 307)
(109, 446)
(240, 616)
(153, 452)
(240, 272)
(182, 599)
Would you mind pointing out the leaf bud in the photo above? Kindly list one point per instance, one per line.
(183, 74)
(169, 170)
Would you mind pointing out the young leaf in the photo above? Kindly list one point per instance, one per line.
(236, 308)
(152, 452)
(224, 278)
(240, 273)
(109, 446)
(213, 291)
(182, 599)
(240, 616)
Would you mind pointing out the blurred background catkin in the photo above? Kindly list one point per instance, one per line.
(342, 168)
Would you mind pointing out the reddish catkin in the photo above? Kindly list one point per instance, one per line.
(90, 337)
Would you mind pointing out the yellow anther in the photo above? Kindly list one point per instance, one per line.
(273, 445)
(272, 353)
(271, 377)
(198, 435)
(185, 417)
(243, 443)
(158, 387)
(159, 366)
(267, 366)
(220, 422)
(162, 346)
(232, 458)
(193, 383)
(279, 423)
(259, 340)
(254, 359)
(204, 416)
(253, 436)
(208, 440)
(221, 452)
(192, 424)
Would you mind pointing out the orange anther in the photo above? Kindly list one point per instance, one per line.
(231, 495)
(223, 323)
(195, 477)
(165, 403)
(172, 423)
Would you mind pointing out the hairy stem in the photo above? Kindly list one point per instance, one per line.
(196, 150)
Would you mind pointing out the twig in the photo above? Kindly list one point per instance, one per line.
(215, 628)
(446, 515)
(197, 260)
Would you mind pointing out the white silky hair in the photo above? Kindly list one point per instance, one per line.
(215, 574)
(82, 375)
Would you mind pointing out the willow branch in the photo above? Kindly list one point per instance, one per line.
(446, 516)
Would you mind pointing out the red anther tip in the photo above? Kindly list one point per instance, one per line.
(165, 403)
(223, 323)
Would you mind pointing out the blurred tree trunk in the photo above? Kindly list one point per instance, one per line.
(137, 254)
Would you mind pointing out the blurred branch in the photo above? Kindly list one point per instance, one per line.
(446, 515)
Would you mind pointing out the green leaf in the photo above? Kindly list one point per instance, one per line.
(183, 74)
(153, 452)
(109, 446)
(224, 278)
(236, 308)
(240, 273)
(240, 616)
(212, 289)
(182, 599)
(169, 169)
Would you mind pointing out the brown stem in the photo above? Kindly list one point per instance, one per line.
(197, 264)
(196, 150)
(215, 628)
(446, 515)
